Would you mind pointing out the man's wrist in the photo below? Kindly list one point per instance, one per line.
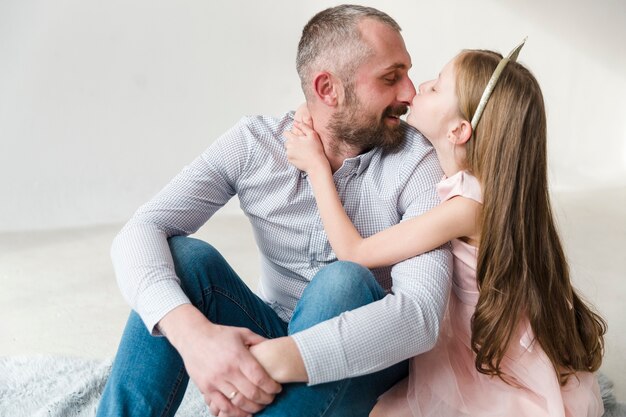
(180, 323)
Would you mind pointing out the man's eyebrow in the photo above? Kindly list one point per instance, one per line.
(398, 65)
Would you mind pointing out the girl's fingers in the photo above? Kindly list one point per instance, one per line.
(304, 127)
(293, 133)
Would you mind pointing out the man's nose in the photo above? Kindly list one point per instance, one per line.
(407, 92)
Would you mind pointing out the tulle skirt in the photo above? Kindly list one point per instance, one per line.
(445, 382)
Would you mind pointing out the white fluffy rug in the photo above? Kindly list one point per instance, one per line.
(48, 386)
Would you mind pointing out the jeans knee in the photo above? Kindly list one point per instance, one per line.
(189, 252)
(339, 287)
(347, 280)
(194, 263)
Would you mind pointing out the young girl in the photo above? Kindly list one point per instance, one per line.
(516, 339)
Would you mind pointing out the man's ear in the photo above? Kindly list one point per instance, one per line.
(461, 132)
(326, 88)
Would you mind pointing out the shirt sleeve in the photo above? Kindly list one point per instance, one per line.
(401, 325)
(140, 253)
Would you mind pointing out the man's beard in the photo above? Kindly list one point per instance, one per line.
(354, 127)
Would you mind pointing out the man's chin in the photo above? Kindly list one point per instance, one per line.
(393, 138)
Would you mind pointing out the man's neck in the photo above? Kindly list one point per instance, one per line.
(335, 149)
(337, 152)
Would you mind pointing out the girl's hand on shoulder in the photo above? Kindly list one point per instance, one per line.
(304, 148)
(303, 115)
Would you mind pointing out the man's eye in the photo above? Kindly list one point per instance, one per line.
(391, 80)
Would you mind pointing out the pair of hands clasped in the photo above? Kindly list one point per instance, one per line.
(234, 368)
(235, 385)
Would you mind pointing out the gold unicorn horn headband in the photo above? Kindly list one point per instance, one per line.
(493, 81)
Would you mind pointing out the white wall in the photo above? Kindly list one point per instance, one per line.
(101, 103)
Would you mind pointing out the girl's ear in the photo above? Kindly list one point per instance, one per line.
(461, 132)
(326, 88)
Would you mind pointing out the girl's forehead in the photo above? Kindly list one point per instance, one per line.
(448, 69)
(446, 76)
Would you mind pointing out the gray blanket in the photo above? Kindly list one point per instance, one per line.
(70, 387)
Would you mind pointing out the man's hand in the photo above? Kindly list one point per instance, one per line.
(219, 362)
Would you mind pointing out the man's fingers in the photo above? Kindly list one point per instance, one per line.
(223, 405)
(255, 373)
(212, 406)
(242, 402)
(250, 338)
(247, 391)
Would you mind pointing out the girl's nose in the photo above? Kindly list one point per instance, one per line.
(422, 86)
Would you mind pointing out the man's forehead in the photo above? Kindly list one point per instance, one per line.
(388, 51)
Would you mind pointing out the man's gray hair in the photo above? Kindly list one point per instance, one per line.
(331, 41)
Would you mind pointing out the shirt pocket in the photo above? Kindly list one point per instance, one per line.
(320, 251)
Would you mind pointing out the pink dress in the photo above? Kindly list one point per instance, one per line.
(445, 382)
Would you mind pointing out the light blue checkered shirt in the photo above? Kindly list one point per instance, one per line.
(378, 190)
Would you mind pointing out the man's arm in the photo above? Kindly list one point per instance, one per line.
(147, 279)
(141, 256)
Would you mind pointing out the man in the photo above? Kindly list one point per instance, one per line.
(332, 324)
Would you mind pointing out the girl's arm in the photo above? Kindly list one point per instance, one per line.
(451, 219)
(454, 218)
(281, 359)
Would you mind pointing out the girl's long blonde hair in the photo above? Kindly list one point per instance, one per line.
(522, 271)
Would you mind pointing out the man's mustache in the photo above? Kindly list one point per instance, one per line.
(395, 111)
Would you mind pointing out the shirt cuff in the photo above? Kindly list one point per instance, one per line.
(322, 353)
(157, 300)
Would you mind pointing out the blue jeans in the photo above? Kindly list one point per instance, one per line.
(148, 377)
